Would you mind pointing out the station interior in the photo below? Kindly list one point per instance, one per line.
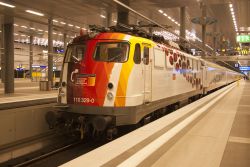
(210, 129)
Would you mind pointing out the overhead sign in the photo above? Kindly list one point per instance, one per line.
(243, 38)
(244, 68)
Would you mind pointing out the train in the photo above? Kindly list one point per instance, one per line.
(113, 79)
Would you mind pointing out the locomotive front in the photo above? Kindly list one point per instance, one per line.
(90, 80)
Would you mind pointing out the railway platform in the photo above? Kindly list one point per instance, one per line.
(212, 131)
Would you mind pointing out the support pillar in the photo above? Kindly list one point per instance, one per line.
(8, 30)
(214, 37)
(2, 55)
(109, 19)
(50, 51)
(182, 24)
(31, 57)
(204, 15)
(122, 15)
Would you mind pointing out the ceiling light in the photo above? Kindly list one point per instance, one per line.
(70, 25)
(165, 14)
(62, 22)
(23, 26)
(84, 29)
(103, 16)
(169, 17)
(40, 30)
(55, 21)
(16, 34)
(60, 34)
(176, 22)
(230, 5)
(6, 4)
(77, 27)
(35, 13)
(23, 35)
(172, 20)
(231, 9)
(16, 25)
(32, 28)
(160, 11)
(46, 31)
(54, 33)
(115, 21)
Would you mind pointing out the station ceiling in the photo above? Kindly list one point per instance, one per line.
(81, 13)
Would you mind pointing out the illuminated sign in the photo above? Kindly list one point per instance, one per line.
(245, 68)
(243, 38)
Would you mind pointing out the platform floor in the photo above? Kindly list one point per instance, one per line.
(220, 138)
(25, 88)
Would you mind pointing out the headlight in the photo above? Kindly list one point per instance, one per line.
(110, 96)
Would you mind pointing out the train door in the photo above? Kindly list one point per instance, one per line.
(71, 68)
(147, 65)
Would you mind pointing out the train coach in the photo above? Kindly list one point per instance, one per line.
(111, 79)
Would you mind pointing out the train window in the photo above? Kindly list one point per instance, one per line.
(146, 56)
(137, 54)
(75, 53)
(159, 58)
(112, 52)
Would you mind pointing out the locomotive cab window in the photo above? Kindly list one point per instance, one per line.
(146, 56)
(137, 54)
(75, 53)
(112, 52)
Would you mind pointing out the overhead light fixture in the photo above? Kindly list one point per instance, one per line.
(39, 30)
(165, 14)
(77, 27)
(70, 25)
(62, 22)
(233, 17)
(103, 16)
(16, 34)
(16, 25)
(34, 12)
(46, 31)
(160, 11)
(32, 28)
(24, 27)
(84, 29)
(54, 33)
(60, 34)
(7, 5)
(55, 21)
(115, 21)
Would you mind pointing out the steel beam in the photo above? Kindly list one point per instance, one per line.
(31, 57)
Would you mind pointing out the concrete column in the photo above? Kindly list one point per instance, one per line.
(31, 57)
(50, 51)
(182, 24)
(64, 42)
(8, 30)
(2, 54)
(204, 15)
(214, 36)
(122, 15)
(109, 19)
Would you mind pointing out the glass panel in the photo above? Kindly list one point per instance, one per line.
(112, 52)
(137, 54)
(146, 55)
(75, 53)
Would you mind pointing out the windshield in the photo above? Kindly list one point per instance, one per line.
(75, 53)
(112, 52)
